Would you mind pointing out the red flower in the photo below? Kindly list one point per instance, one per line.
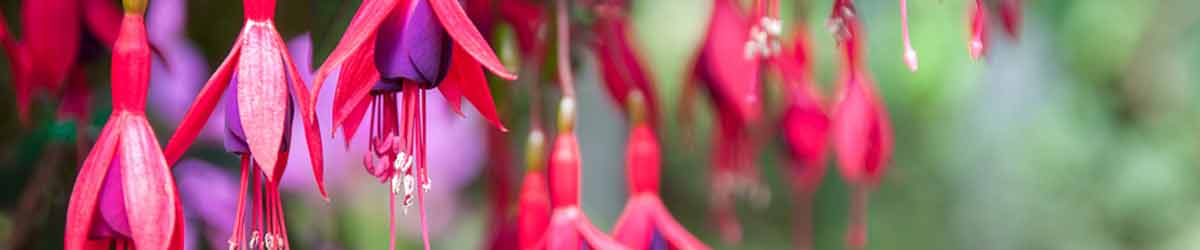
(862, 134)
(533, 206)
(569, 227)
(125, 195)
(646, 223)
(1010, 18)
(805, 131)
(407, 47)
(265, 78)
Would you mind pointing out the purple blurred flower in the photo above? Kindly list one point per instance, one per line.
(181, 70)
(209, 196)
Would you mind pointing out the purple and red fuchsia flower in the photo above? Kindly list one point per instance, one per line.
(262, 76)
(125, 196)
(400, 49)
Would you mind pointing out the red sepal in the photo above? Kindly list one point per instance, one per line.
(203, 106)
(85, 195)
(460, 28)
(150, 195)
(354, 83)
(469, 81)
(361, 33)
(308, 116)
(263, 93)
(533, 210)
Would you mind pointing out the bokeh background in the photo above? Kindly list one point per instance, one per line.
(1084, 133)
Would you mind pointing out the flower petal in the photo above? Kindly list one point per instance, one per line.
(263, 86)
(460, 27)
(84, 196)
(361, 32)
(471, 83)
(203, 107)
(150, 196)
(308, 117)
(634, 226)
(354, 83)
(533, 210)
(453, 94)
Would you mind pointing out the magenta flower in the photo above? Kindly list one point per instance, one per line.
(125, 195)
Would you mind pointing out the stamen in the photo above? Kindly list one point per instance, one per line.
(910, 55)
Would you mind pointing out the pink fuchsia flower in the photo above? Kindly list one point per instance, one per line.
(266, 79)
(805, 128)
(646, 223)
(402, 49)
(125, 195)
(862, 134)
(569, 227)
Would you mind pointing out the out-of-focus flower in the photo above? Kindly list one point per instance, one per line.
(208, 194)
(646, 223)
(1010, 19)
(569, 227)
(403, 49)
(125, 194)
(266, 88)
(862, 134)
(805, 128)
(533, 204)
(180, 70)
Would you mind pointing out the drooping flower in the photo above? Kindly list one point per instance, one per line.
(645, 222)
(805, 128)
(862, 134)
(569, 227)
(727, 67)
(266, 88)
(125, 195)
(402, 49)
(533, 204)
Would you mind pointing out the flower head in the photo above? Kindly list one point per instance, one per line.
(125, 194)
(392, 53)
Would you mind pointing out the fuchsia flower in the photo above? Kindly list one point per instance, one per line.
(47, 58)
(406, 48)
(862, 134)
(728, 67)
(646, 223)
(533, 206)
(265, 78)
(569, 227)
(805, 130)
(125, 195)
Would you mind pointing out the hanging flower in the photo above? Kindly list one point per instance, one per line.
(1010, 20)
(805, 128)
(569, 227)
(263, 76)
(862, 134)
(646, 223)
(533, 206)
(125, 195)
(400, 50)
